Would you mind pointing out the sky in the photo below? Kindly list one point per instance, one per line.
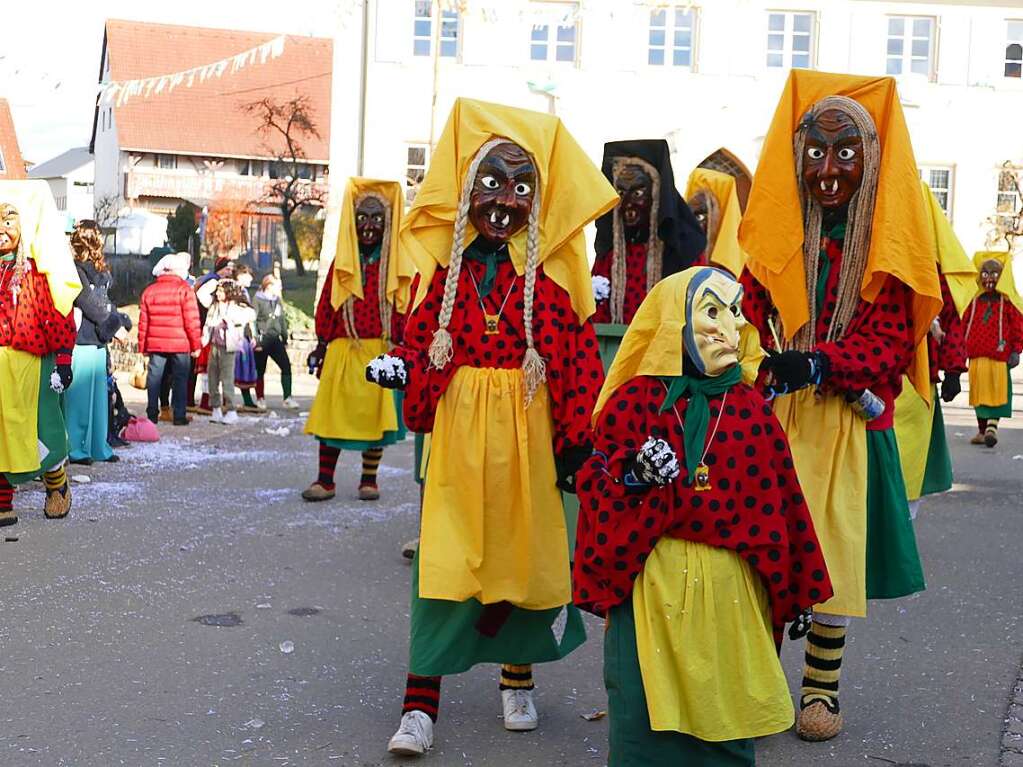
(50, 51)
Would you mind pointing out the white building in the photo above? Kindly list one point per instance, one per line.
(71, 177)
(703, 75)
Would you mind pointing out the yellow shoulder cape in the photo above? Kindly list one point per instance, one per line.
(1006, 283)
(953, 263)
(726, 253)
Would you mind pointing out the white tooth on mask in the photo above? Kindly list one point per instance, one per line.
(824, 186)
(506, 219)
(834, 186)
(493, 217)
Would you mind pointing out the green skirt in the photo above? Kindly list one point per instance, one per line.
(938, 470)
(389, 438)
(50, 425)
(444, 639)
(631, 741)
(893, 563)
(999, 411)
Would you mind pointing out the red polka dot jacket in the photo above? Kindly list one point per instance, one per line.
(33, 325)
(635, 280)
(876, 349)
(330, 323)
(982, 331)
(569, 348)
(755, 506)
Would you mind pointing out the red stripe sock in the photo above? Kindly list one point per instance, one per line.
(328, 463)
(6, 494)
(422, 693)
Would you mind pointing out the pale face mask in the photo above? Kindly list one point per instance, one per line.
(714, 322)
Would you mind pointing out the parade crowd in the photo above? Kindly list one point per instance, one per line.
(714, 437)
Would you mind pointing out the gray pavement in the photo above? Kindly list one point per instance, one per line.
(104, 662)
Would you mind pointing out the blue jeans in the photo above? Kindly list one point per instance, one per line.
(176, 366)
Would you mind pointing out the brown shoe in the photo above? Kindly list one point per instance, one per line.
(317, 492)
(369, 493)
(977, 439)
(166, 416)
(8, 517)
(991, 436)
(819, 721)
(58, 502)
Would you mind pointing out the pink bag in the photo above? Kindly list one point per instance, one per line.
(140, 430)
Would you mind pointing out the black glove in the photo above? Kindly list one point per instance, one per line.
(801, 625)
(1013, 360)
(316, 357)
(794, 370)
(60, 379)
(568, 463)
(387, 371)
(950, 387)
(125, 320)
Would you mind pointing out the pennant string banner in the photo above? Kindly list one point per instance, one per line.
(145, 87)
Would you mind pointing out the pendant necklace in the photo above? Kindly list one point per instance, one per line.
(491, 321)
(701, 482)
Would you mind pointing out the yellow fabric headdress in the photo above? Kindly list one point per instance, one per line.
(901, 237)
(723, 222)
(43, 239)
(573, 192)
(347, 274)
(953, 263)
(653, 345)
(1006, 283)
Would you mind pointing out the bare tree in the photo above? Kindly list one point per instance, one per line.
(107, 210)
(1007, 222)
(284, 126)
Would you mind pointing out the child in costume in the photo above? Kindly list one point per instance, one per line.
(715, 204)
(500, 365)
(994, 340)
(228, 326)
(694, 539)
(832, 286)
(359, 316)
(38, 286)
(651, 233)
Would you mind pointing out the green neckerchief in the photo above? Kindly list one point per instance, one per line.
(366, 259)
(989, 299)
(491, 258)
(836, 232)
(696, 390)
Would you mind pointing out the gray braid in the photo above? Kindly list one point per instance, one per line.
(534, 369)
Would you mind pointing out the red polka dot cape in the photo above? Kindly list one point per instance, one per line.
(568, 346)
(950, 354)
(635, 280)
(34, 324)
(754, 508)
(330, 322)
(982, 335)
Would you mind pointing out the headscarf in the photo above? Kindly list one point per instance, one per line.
(653, 345)
(723, 217)
(900, 239)
(43, 239)
(677, 240)
(1006, 283)
(953, 263)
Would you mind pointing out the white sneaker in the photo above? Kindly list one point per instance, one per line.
(261, 403)
(217, 416)
(290, 404)
(519, 711)
(414, 736)
(230, 417)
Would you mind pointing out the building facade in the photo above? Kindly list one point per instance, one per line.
(71, 178)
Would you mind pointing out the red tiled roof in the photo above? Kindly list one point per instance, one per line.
(13, 162)
(206, 119)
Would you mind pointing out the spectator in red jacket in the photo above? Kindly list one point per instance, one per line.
(169, 332)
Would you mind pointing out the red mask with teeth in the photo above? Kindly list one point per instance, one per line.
(833, 159)
(502, 193)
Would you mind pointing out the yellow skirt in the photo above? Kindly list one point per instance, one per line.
(989, 386)
(19, 412)
(347, 406)
(829, 448)
(706, 652)
(914, 418)
(493, 526)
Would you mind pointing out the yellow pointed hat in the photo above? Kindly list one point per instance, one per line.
(654, 346)
(726, 252)
(347, 274)
(42, 235)
(1006, 283)
(573, 192)
(953, 263)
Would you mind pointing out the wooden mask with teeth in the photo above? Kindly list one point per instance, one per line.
(832, 164)
(502, 193)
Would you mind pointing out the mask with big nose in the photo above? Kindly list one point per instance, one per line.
(714, 322)
(502, 193)
(832, 163)
(369, 222)
(10, 230)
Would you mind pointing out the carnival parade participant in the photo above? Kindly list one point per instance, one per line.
(38, 286)
(650, 234)
(359, 316)
(500, 364)
(715, 204)
(832, 282)
(994, 340)
(694, 539)
(919, 425)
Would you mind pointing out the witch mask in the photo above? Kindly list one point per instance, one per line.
(990, 273)
(370, 216)
(832, 165)
(635, 186)
(502, 193)
(714, 322)
(10, 229)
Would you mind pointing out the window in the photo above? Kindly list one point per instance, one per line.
(422, 31)
(790, 42)
(910, 46)
(167, 161)
(1008, 203)
(1014, 49)
(554, 38)
(416, 159)
(939, 179)
(671, 37)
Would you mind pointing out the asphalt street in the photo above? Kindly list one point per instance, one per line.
(193, 610)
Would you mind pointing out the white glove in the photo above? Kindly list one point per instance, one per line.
(656, 462)
(55, 383)
(387, 371)
(601, 287)
(936, 331)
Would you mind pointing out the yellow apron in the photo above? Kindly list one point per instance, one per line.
(829, 448)
(19, 412)
(347, 406)
(493, 526)
(914, 418)
(989, 385)
(706, 652)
